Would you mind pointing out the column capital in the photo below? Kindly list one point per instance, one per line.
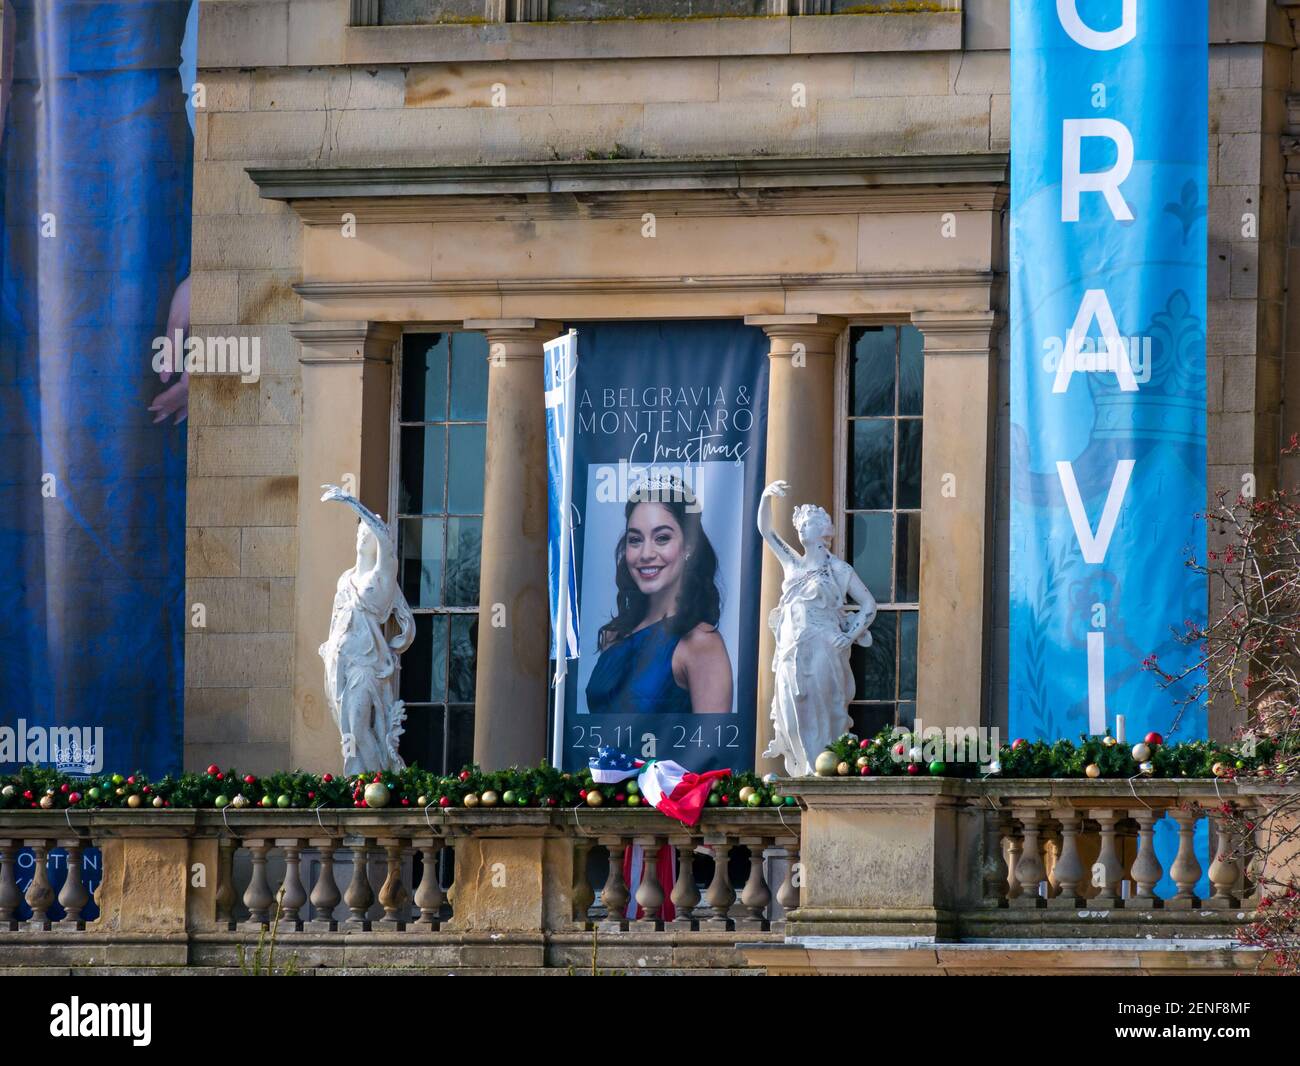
(345, 342)
(957, 332)
(817, 333)
(514, 338)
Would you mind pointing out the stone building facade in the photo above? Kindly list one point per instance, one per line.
(368, 172)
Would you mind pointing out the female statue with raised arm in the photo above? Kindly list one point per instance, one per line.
(360, 661)
(814, 682)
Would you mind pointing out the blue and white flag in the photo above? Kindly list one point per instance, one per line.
(560, 364)
(1109, 132)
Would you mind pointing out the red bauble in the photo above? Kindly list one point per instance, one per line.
(550, 801)
(912, 768)
(865, 744)
(63, 789)
(865, 771)
(464, 775)
(249, 779)
(131, 780)
(582, 793)
(311, 795)
(1154, 739)
(28, 794)
(405, 802)
(445, 801)
(377, 778)
(221, 777)
(74, 797)
(214, 769)
(725, 799)
(1019, 742)
(622, 798)
(328, 778)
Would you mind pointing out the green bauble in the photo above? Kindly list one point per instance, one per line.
(509, 797)
(282, 800)
(754, 799)
(713, 799)
(221, 801)
(937, 769)
(790, 801)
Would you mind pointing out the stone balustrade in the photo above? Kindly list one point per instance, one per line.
(402, 889)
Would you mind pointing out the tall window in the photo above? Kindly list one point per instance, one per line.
(883, 516)
(442, 425)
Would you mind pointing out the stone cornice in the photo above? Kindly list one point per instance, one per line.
(628, 187)
(335, 343)
(325, 291)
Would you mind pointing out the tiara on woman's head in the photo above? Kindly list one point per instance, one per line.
(661, 490)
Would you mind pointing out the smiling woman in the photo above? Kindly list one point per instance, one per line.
(662, 652)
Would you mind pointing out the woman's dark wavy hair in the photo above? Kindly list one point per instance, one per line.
(698, 600)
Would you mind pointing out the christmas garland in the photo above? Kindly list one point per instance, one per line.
(888, 754)
(542, 786)
(891, 754)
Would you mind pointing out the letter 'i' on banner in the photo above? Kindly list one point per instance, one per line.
(1109, 195)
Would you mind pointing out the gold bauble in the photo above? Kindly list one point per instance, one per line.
(47, 802)
(471, 799)
(157, 801)
(594, 798)
(422, 801)
(824, 766)
(1108, 741)
(1092, 770)
(133, 800)
(862, 761)
(843, 769)
(490, 798)
(745, 793)
(1218, 769)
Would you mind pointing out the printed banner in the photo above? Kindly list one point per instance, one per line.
(96, 151)
(1109, 134)
(670, 426)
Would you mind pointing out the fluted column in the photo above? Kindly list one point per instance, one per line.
(510, 704)
(801, 419)
(957, 501)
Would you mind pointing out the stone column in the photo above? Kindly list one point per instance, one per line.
(511, 686)
(346, 418)
(957, 459)
(801, 418)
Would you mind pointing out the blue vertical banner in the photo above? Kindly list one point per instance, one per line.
(1109, 132)
(96, 150)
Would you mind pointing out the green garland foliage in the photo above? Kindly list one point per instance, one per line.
(542, 786)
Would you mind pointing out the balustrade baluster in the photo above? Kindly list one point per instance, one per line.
(1186, 868)
(1107, 869)
(756, 894)
(1224, 868)
(685, 894)
(257, 896)
(650, 893)
(1068, 869)
(614, 895)
(392, 893)
(1015, 848)
(74, 895)
(582, 895)
(225, 896)
(10, 898)
(788, 894)
(1146, 870)
(428, 894)
(293, 898)
(996, 826)
(359, 895)
(325, 895)
(1029, 866)
(40, 894)
(720, 895)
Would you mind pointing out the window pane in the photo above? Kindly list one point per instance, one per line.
(911, 370)
(460, 738)
(870, 547)
(464, 657)
(908, 621)
(909, 462)
(907, 715)
(872, 380)
(469, 377)
(465, 471)
(871, 462)
(907, 559)
(424, 663)
(421, 742)
(870, 718)
(424, 377)
(463, 538)
(874, 668)
(421, 552)
(423, 467)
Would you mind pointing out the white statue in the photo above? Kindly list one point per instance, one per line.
(360, 661)
(814, 682)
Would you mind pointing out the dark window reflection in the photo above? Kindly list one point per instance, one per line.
(424, 377)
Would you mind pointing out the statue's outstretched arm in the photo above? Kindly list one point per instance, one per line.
(786, 554)
(387, 551)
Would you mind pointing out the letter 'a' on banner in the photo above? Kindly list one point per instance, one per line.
(560, 367)
(1109, 196)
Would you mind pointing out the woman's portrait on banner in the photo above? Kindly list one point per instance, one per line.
(658, 633)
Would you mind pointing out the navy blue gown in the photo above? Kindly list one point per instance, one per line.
(635, 675)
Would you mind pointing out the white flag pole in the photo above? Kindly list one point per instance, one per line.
(569, 370)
